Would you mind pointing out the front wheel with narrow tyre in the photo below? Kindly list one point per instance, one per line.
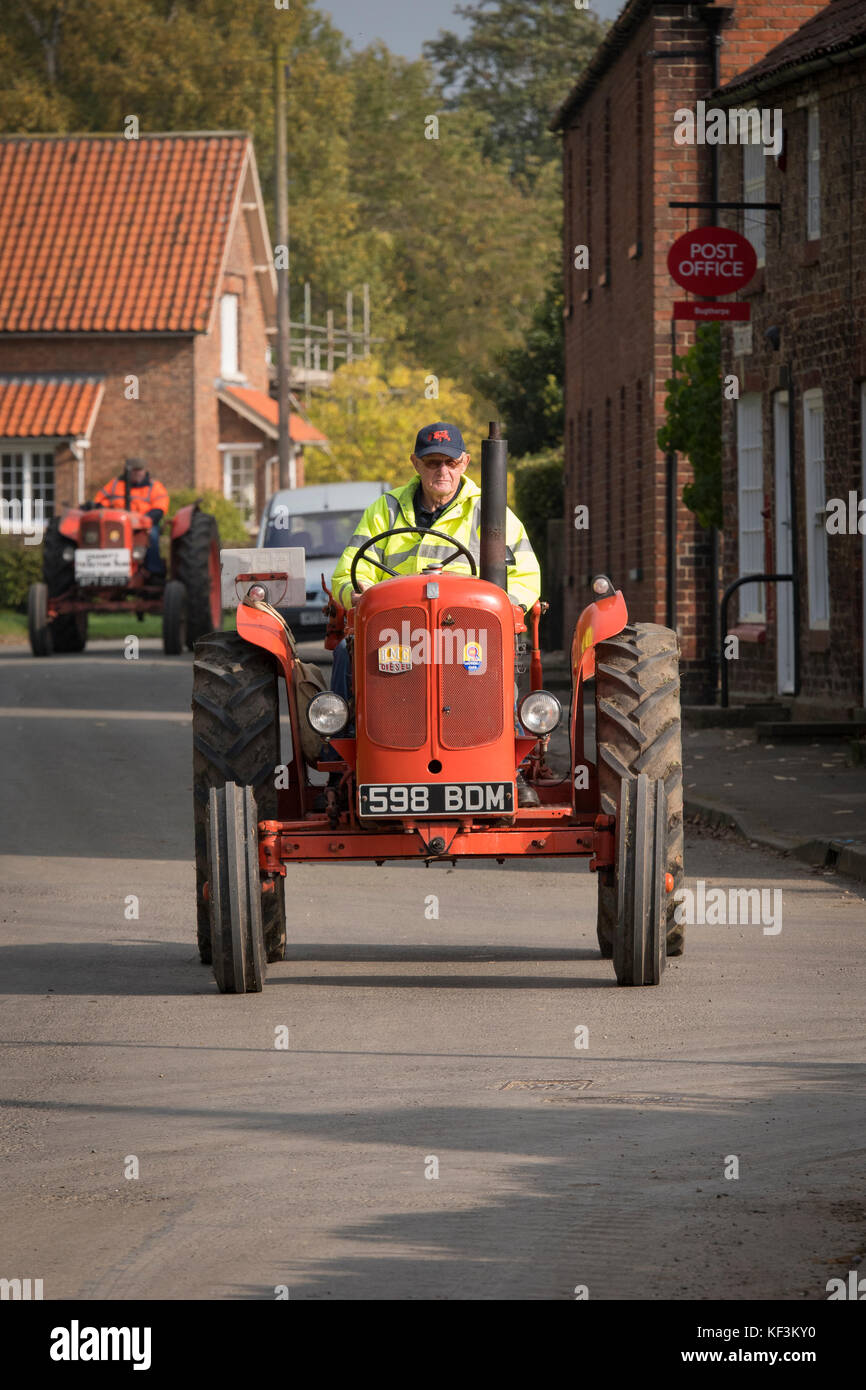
(38, 626)
(234, 890)
(639, 947)
(197, 557)
(638, 730)
(174, 618)
(236, 738)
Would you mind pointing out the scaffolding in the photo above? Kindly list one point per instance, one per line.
(317, 349)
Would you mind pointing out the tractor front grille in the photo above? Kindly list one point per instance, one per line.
(395, 702)
(472, 701)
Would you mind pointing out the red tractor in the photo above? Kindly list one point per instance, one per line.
(428, 749)
(93, 562)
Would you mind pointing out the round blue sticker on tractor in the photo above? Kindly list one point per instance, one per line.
(472, 656)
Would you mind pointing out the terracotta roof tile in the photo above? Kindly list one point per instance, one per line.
(258, 403)
(33, 407)
(107, 235)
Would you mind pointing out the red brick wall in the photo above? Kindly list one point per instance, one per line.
(820, 309)
(157, 427)
(618, 313)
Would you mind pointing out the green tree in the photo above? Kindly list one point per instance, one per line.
(516, 65)
(527, 384)
(694, 422)
(371, 417)
(468, 250)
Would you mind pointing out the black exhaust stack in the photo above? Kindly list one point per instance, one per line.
(494, 469)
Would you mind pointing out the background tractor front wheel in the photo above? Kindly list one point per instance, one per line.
(236, 738)
(235, 896)
(639, 948)
(38, 626)
(638, 729)
(174, 618)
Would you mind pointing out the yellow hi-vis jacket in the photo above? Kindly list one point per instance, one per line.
(412, 554)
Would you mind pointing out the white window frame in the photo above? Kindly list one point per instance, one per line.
(233, 456)
(755, 191)
(816, 509)
(750, 504)
(813, 173)
(35, 486)
(230, 337)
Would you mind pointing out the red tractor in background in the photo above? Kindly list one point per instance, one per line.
(93, 562)
(427, 751)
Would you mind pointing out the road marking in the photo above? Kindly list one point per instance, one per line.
(28, 712)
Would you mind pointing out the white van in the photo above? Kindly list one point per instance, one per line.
(323, 520)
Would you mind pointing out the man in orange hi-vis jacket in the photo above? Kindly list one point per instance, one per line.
(147, 496)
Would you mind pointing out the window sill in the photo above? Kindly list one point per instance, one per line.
(749, 632)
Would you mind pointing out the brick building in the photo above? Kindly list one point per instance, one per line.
(137, 296)
(801, 366)
(621, 168)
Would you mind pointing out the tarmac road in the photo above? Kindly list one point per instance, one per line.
(415, 1045)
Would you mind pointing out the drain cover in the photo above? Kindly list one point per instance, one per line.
(530, 1085)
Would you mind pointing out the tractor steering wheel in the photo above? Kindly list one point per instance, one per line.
(406, 531)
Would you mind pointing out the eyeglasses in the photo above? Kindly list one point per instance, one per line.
(438, 463)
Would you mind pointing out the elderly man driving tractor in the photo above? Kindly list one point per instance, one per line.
(425, 517)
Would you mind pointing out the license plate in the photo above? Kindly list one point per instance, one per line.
(436, 798)
(310, 617)
(102, 566)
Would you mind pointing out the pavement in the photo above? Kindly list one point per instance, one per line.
(805, 800)
(802, 797)
(411, 1109)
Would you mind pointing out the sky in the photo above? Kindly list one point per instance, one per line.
(405, 24)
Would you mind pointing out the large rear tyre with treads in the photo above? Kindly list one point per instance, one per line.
(234, 888)
(639, 729)
(236, 738)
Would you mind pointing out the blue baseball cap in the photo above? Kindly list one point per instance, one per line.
(439, 438)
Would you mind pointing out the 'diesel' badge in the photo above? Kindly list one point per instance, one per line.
(393, 659)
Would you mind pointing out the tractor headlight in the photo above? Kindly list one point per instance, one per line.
(138, 552)
(68, 553)
(328, 713)
(602, 587)
(540, 712)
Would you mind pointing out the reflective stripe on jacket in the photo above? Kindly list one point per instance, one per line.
(410, 554)
(141, 499)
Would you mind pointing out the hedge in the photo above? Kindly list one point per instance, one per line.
(20, 566)
(539, 495)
